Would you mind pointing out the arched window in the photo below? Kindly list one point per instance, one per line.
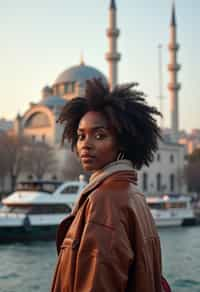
(33, 138)
(158, 157)
(145, 181)
(56, 90)
(171, 181)
(43, 138)
(69, 87)
(38, 120)
(172, 158)
(61, 89)
(158, 181)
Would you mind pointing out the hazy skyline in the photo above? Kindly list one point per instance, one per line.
(40, 39)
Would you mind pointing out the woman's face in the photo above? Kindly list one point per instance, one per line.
(96, 145)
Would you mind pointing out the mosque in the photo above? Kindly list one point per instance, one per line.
(39, 121)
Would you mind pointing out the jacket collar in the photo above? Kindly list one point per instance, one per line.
(99, 176)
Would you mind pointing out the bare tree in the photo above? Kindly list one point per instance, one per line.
(40, 159)
(72, 167)
(192, 173)
(3, 165)
(12, 156)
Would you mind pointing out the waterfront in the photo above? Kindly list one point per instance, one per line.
(29, 267)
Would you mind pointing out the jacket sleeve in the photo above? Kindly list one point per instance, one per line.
(105, 254)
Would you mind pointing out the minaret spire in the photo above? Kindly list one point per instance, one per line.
(173, 18)
(113, 56)
(112, 4)
(82, 63)
(173, 85)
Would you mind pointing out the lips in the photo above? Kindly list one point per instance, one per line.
(87, 156)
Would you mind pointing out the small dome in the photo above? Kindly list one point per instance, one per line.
(53, 101)
(47, 91)
(79, 73)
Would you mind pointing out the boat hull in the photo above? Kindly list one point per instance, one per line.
(170, 222)
(20, 227)
(24, 234)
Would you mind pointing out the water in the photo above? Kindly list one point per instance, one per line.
(29, 267)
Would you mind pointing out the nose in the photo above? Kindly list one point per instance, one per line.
(87, 143)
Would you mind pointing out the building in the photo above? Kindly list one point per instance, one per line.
(5, 125)
(166, 172)
(39, 121)
(191, 140)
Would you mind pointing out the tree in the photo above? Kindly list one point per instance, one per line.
(40, 160)
(72, 167)
(192, 171)
(12, 157)
(194, 156)
(3, 165)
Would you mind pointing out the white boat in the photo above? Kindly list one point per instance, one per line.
(171, 210)
(36, 208)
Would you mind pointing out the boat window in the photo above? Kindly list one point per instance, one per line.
(37, 209)
(50, 209)
(70, 190)
(21, 210)
(46, 187)
(175, 205)
(15, 209)
(157, 206)
(5, 209)
(168, 205)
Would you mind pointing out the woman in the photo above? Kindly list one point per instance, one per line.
(109, 242)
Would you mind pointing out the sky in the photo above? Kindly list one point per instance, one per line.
(39, 39)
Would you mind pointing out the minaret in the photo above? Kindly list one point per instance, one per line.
(18, 125)
(113, 56)
(173, 85)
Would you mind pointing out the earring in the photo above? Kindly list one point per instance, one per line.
(120, 155)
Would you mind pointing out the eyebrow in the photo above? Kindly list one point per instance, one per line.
(93, 128)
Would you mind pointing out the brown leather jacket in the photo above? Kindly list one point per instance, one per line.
(110, 243)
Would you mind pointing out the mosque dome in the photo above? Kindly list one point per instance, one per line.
(53, 101)
(80, 74)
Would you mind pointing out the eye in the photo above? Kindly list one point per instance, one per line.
(99, 136)
(80, 137)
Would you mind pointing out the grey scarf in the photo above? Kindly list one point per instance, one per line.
(100, 175)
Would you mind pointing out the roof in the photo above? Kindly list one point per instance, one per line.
(79, 73)
(52, 101)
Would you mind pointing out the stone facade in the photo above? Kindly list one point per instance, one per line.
(165, 174)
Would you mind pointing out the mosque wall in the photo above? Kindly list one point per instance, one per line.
(165, 173)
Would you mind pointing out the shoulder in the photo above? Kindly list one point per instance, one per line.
(112, 197)
(115, 188)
